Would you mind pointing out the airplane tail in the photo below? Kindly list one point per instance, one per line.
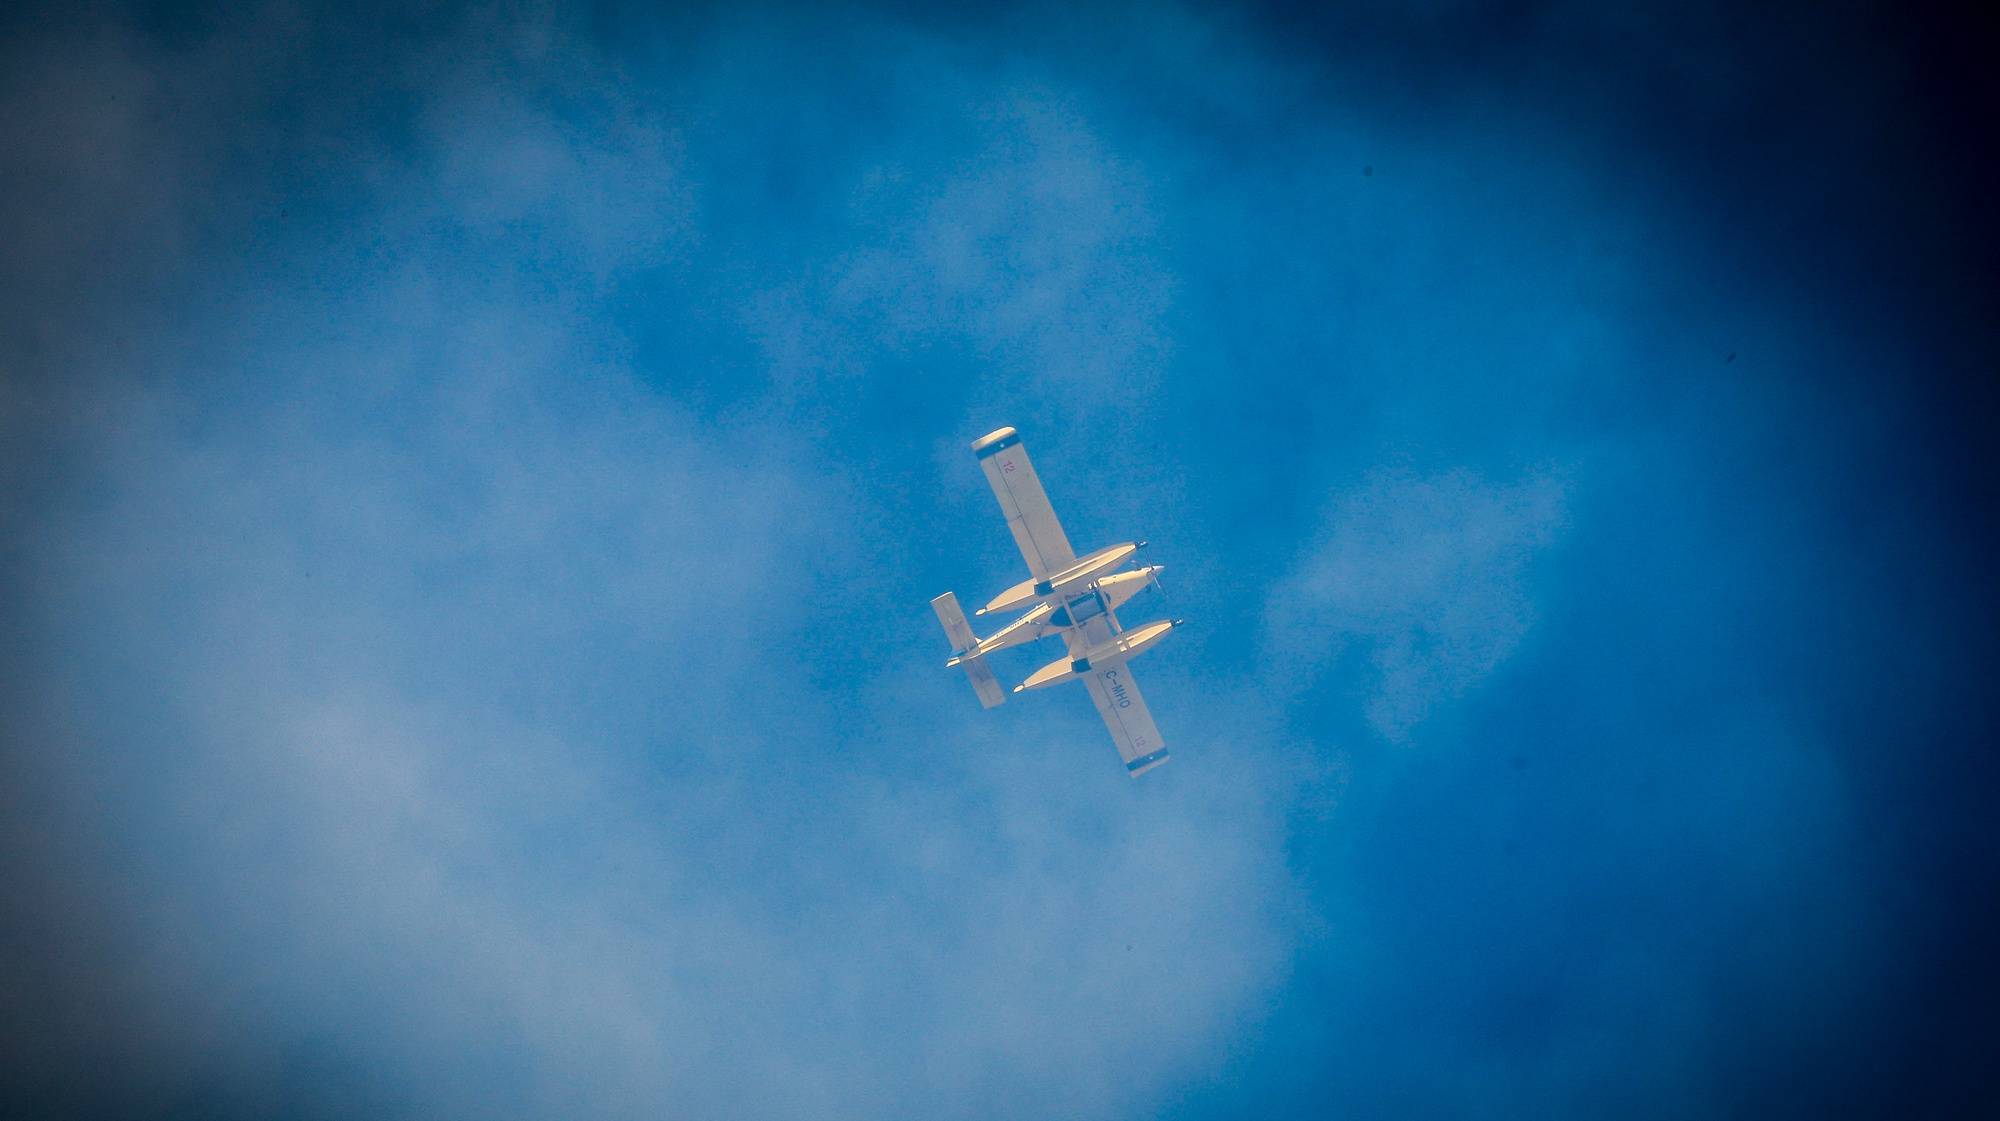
(962, 640)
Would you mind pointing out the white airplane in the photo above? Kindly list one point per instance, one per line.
(1066, 595)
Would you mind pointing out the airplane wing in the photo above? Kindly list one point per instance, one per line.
(1116, 695)
(1124, 711)
(1029, 515)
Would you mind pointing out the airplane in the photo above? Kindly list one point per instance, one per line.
(1064, 595)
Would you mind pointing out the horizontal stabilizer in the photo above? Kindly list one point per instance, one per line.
(955, 626)
(984, 683)
(962, 641)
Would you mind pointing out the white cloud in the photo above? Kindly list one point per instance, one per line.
(1426, 577)
(1037, 253)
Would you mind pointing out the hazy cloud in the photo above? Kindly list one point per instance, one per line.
(1426, 576)
(457, 679)
(473, 484)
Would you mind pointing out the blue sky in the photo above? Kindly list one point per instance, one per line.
(475, 480)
